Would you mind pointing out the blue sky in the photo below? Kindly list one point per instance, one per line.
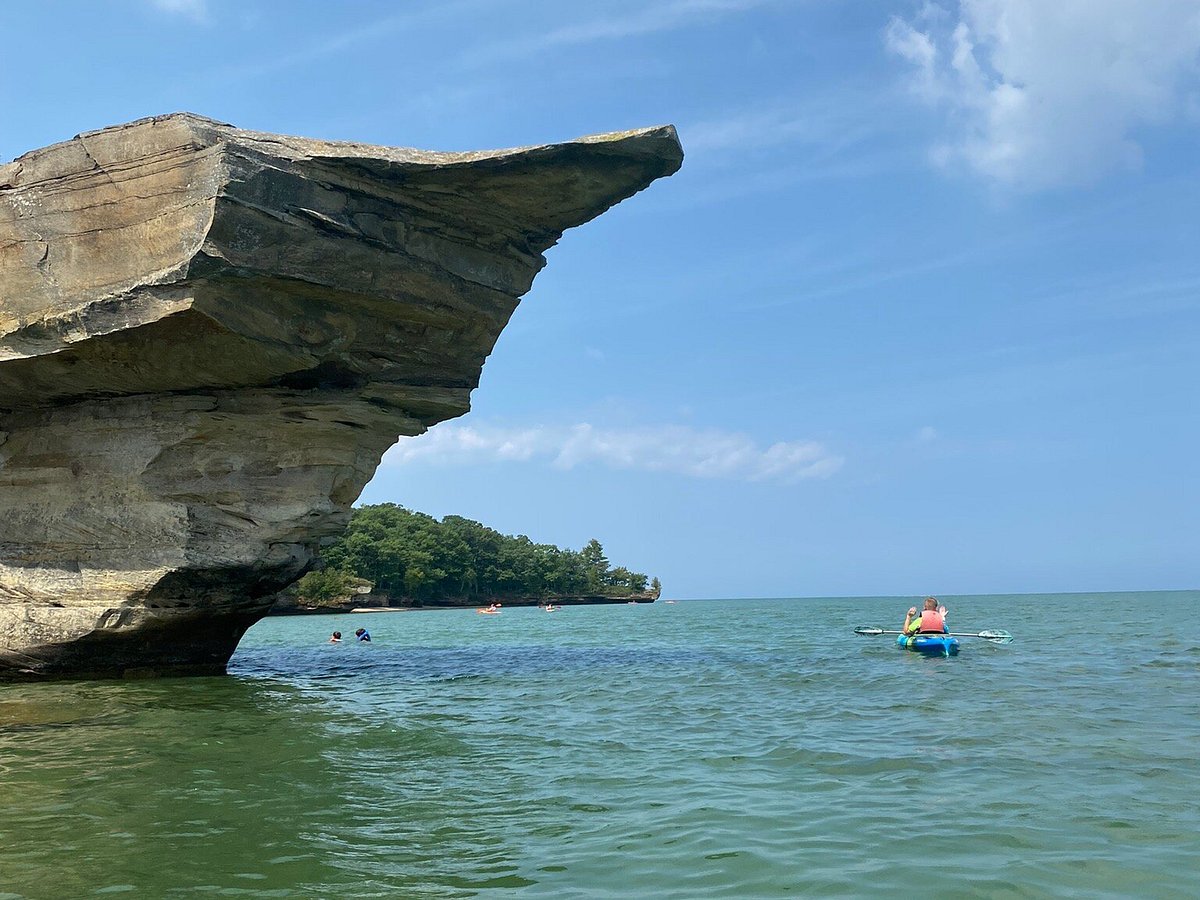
(918, 315)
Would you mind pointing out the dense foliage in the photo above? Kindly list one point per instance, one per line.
(411, 555)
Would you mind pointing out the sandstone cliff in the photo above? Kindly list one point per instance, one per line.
(208, 338)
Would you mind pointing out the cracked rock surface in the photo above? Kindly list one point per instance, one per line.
(208, 338)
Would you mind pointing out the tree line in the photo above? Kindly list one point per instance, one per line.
(411, 555)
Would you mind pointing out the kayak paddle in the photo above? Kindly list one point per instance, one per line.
(995, 636)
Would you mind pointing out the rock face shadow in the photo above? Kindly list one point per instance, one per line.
(208, 339)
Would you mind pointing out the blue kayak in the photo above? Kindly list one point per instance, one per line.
(929, 644)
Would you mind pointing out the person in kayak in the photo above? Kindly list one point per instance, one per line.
(932, 619)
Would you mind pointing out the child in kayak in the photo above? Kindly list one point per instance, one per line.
(931, 620)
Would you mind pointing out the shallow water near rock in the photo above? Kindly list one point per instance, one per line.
(707, 748)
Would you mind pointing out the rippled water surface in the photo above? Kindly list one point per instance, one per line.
(719, 748)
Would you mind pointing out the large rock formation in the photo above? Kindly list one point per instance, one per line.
(208, 338)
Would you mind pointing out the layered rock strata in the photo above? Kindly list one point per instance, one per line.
(208, 338)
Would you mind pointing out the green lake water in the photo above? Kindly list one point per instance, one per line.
(752, 748)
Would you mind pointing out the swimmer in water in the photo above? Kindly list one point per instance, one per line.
(362, 635)
(336, 638)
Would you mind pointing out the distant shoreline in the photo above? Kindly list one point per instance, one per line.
(350, 609)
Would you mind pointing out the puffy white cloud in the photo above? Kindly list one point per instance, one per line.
(699, 453)
(1051, 92)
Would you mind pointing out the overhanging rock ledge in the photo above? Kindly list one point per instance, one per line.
(208, 338)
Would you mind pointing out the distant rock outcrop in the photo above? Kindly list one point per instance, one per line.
(208, 338)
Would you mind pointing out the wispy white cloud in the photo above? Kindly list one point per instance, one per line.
(698, 453)
(648, 18)
(336, 43)
(1043, 94)
(780, 143)
(193, 9)
(628, 21)
(827, 123)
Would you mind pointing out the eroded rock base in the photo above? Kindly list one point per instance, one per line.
(149, 644)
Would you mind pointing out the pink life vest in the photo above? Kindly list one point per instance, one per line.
(931, 620)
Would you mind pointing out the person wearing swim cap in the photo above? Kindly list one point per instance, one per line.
(932, 619)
